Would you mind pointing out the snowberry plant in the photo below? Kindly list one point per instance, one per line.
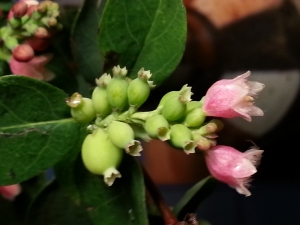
(72, 129)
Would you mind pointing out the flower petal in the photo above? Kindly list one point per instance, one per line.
(10, 192)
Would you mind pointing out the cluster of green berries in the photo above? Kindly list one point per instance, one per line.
(31, 24)
(115, 125)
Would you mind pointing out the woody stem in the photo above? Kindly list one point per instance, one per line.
(168, 216)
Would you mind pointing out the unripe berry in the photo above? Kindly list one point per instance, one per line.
(138, 92)
(52, 22)
(181, 137)
(100, 156)
(174, 109)
(192, 105)
(194, 118)
(167, 96)
(30, 27)
(82, 109)
(42, 7)
(117, 93)
(41, 32)
(23, 53)
(53, 6)
(157, 127)
(122, 135)
(100, 102)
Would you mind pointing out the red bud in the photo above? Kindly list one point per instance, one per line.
(19, 9)
(23, 53)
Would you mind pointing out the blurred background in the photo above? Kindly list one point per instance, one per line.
(227, 38)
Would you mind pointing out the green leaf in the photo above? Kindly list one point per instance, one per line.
(6, 5)
(123, 202)
(64, 169)
(85, 42)
(4, 68)
(148, 33)
(193, 197)
(35, 131)
(52, 206)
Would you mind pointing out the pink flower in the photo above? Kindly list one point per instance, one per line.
(10, 192)
(30, 3)
(230, 166)
(34, 68)
(230, 98)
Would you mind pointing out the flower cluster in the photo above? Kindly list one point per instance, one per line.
(30, 27)
(115, 125)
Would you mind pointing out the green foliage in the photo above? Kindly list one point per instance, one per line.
(85, 44)
(193, 197)
(123, 202)
(35, 131)
(52, 206)
(148, 33)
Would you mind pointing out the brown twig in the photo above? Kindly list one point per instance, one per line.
(168, 216)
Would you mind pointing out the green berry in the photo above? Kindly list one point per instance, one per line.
(122, 135)
(82, 109)
(138, 92)
(173, 109)
(167, 96)
(117, 93)
(100, 156)
(100, 102)
(181, 137)
(157, 127)
(192, 105)
(194, 118)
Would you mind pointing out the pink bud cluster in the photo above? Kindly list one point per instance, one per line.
(31, 26)
(231, 98)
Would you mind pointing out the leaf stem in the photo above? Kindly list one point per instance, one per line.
(168, 216)
(145, 115)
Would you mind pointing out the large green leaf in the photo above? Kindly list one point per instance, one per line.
(123, 202)
(147, 33)
(35, 131)
(52, 206)
(193, 197)
(85, 44)
(64, 169)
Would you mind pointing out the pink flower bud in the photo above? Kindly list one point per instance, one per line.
(41, 32)
(230, 166)
(23, 53)
(35, 68)
(19, 9)
(31, 9)
(31, 6)
(10, 192)
(231, 98)
(39, 44)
